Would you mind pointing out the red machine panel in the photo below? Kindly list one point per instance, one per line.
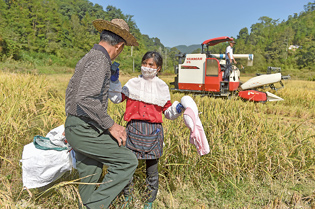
(253, 95)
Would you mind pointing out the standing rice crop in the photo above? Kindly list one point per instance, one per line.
(262, 155)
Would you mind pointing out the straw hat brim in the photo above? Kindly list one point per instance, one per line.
(101, 25)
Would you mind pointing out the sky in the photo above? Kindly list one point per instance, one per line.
(183, 22)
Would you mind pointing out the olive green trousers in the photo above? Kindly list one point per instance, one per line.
(95, 147)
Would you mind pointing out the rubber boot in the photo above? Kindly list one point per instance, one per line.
(152, 187)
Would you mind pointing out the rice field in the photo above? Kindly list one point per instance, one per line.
(262, 155)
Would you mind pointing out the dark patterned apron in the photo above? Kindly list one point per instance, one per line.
(145, 139)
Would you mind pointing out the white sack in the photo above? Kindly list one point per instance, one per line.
(41, 167)
(56, 136)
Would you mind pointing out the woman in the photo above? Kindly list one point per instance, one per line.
(147, 97)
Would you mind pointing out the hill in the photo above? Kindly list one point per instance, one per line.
(60, 32)
(35, 34)
(271, 41)
(188, 49)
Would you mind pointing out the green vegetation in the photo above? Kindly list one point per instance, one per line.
(58, 33)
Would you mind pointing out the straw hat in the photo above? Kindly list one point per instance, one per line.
(117, 26)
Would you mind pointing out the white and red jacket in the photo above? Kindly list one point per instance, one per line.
(146, 99)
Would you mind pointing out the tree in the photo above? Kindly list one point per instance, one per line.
(310, 7)
(243, 34)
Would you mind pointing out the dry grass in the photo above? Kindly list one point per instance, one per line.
(262, 155)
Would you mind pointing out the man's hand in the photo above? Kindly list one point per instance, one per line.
(119, 133)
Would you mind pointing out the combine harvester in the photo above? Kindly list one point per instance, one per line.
(203, 74)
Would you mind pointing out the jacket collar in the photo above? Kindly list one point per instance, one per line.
(102, 49)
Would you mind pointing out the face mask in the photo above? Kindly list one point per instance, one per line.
(148, 73)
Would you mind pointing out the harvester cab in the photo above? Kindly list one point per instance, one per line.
(203, 74)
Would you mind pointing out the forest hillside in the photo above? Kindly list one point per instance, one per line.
(60, 32)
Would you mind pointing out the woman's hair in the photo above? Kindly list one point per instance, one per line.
(111, 38)
(156, 57)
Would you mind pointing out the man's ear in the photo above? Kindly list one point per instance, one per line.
(117, 46)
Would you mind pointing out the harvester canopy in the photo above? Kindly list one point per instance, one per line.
(215, 41)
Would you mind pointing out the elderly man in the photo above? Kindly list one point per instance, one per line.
(96, 139)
